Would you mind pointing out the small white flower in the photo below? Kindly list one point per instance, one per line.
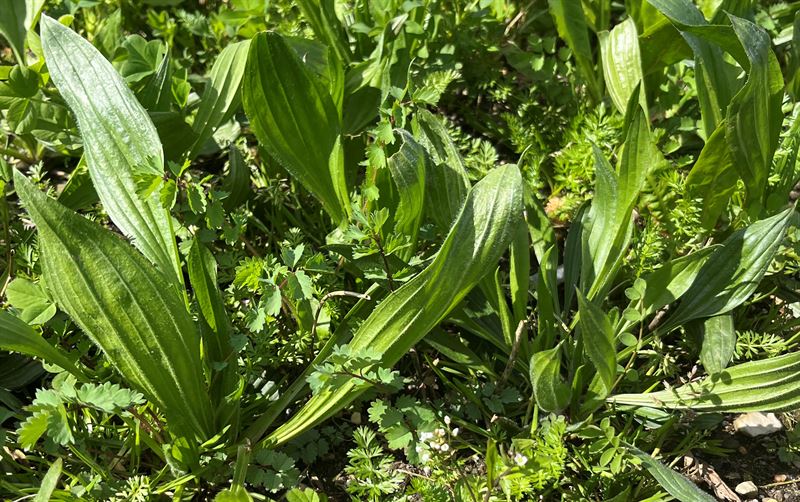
(520, 459)
(456, 431)
(447, 420)
(418, 449)
(425, 436)
(440, 432)
(445, 447)
(425, 457)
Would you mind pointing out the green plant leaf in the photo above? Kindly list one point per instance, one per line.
(571, 24)
(598, 341)
(765, 385)
(673, 482)
(17, 336)
(670, 281)
(221, 96)
(622, 64)
(49, 482)
(609, 221)
(127, 307)
(307, 495)
(733, 271)
(719, 342)
(754, 116)
(713, 177)
(552, 394)
(28, 297)
(296, 120)
(478, 238)
(407, 167)
(156, 95)
(321, 16)
(446, 178)
(120, 141)
(237, 183)
(18, 17)
(715, 77)
(235, 494)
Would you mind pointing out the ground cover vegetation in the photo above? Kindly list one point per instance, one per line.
(430, 250)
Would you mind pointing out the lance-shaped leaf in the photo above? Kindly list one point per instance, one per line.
(670, 281)
(598, 341)
(126, 306)
(622, 64)
(407, 167)
(713, 177)
(296, 120)
(446, 178)
(221, 96)
(768, 385)
(119, 140)
(675, 483)
(716, 78)
(478, 238)
(733, 271)
(754, 115)
(610, 222)
(18, 336)
(571, 24)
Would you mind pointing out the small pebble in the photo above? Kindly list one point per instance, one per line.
(757, 424)
(742, 450)
(780, 478)
(355, 418)
(747, 489)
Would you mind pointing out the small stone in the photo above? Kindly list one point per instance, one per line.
(769, 499)
(355, 418)
(747, 489)
(780, 478)
(742, 450)
(757, 424)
